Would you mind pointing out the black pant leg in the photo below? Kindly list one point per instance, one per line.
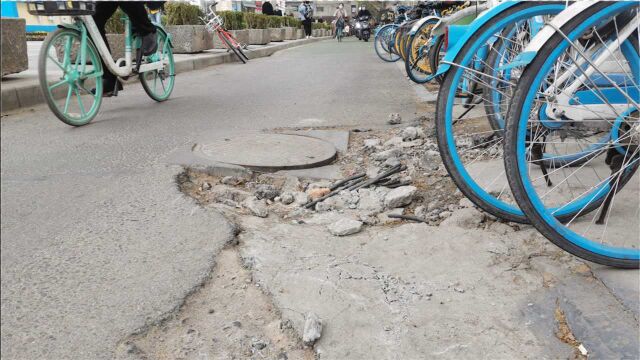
(138, 16)
(307, 26)
(104, 11)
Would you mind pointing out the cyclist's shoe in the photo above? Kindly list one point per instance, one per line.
(149, 44)
(110, 87)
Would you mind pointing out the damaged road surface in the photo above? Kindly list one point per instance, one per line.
(456, 284)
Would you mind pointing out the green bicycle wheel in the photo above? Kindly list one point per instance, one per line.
(67, 80)
(158, 84)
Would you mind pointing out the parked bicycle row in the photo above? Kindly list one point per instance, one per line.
(537, 114)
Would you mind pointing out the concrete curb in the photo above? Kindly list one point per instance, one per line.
(28, 94)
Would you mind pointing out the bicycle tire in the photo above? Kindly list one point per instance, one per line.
(418, 75)
(47, 90)
(444, 114)
(434, 56)
(164, 48)
(559, 235)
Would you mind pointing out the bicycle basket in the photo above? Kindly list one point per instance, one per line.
(214, 23)
(61, 8)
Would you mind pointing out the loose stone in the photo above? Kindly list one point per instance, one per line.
(312, 329)
(344, 227)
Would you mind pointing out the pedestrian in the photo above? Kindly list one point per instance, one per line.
(267, 8)
(340, 19)
(305, 12)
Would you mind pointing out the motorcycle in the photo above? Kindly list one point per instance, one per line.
(363, 28)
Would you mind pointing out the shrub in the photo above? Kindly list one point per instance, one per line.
(321, 26)
(290, 21)
(180, 13)
(233, 20)
(275, 21)
(114, 24)
(255, 21)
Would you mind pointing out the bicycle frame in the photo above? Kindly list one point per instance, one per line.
(88, 28)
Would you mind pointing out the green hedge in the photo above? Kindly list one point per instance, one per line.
(179, 13)
(114, 24)
(321, 26)
(236, 20)
(233, 20)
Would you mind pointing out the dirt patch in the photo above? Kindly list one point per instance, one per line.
(564, 334)
(229, 318)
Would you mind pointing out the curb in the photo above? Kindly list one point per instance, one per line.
(29, 94)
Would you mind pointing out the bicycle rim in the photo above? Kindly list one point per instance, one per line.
(66, 81)
(604, 189)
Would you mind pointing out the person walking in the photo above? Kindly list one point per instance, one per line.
(340, 19)
(305, 12)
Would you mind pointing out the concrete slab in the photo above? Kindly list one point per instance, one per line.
(339, 138)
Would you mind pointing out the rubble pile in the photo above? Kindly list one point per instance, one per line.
(390, 175)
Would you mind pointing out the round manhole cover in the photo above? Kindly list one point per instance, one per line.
(270, 152)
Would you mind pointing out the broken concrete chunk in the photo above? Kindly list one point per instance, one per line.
(370, 201)
(394, 119)
(287, 198)
(394, 141)
(344, 227)
(371, 143)
(256, 207)
(301, 198)
(399, 197)
(410, 133)
(384, 155)
(232, 180)
(312, 329)
(467, 218)
(266, 191)
(391, 162)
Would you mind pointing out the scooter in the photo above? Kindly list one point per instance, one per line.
(363, 29)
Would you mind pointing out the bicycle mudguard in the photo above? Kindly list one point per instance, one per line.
(419, 23)
(457, 17)
(480, 21)
(530, 52)
(69, 26)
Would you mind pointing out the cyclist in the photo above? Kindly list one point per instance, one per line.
(141, 25)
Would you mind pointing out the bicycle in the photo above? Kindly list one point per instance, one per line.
(580, 79)
(214, 23)
(70, 59)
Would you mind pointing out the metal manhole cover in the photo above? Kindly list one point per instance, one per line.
(269, 152)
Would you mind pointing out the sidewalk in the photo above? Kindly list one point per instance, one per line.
(23, 89)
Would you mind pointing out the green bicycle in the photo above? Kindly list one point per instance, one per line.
(70, 70)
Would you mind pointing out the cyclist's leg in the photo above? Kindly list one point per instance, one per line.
(142, 25)
(138, 16)
(104, 11)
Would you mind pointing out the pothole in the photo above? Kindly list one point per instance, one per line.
(228, 318)
(430, 195)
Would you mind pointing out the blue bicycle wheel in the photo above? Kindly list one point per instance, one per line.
(383, 43)
(562, 91)
(471, 149)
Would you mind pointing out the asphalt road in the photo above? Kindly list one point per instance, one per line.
(96, 239)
